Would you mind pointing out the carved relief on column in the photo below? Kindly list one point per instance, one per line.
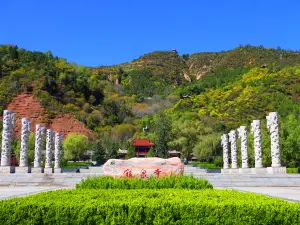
(58, 150)
(224, 142)
(38, 146)
(6, 138)
(273, 126)
(24, 142)
(243, 135)
(256, 130)
(49, 145)
(232, 140)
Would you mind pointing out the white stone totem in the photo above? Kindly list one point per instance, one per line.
(39, 131)
(243, 135)
(273, 126)
(224, 142)
(57, 153)
(7, 133)
(49, 145)
(256, 130)
(23, 166)
(232, 140)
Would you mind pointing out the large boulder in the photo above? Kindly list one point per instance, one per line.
(143, 167)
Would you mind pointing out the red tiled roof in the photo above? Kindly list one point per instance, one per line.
(142, 142)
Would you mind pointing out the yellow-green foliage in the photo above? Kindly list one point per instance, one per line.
(165, 206)
(256, 93)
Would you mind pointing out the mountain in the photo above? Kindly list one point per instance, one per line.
(202, 95)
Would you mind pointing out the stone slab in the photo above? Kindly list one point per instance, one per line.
(259, 170)
(7, 169)
(37, 170)
(57, 170)
(23, 170)
(276, 170)
(245, 170)
(48, 170)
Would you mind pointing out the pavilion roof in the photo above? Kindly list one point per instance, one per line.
(142, 142)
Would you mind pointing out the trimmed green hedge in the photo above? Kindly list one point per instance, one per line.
(292, 170)
(178, 182)
(165, 206)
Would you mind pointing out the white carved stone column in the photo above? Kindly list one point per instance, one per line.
(57, 153)
(232, 140)
(49, 145)
(23, 166)
(243, 135)
(38, 149)
(224, 142)
(273, 126)
(6, 142)
(256, 130)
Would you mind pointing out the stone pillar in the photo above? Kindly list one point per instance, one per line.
(49, 145)
(6, 142)
(38, 149)
(243, 135)
(23, 166)
(232, 140)
(256, 130)
(57, 153)
(273, 126)
(224, 142)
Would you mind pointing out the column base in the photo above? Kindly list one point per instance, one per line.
(276, 170)
(48, 170)
(24, 169)
(259, 170)
(245, 170)
(57, 170)
(37, 170)
(225, 171)
(7, 169)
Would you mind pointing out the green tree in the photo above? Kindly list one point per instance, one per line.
(98, 152)
(130, 151)
(31, 143)
(151, 153)
(163, 130)
(75, 145)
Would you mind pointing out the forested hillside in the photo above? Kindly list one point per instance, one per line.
(186, 101)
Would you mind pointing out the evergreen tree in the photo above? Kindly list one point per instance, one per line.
(151, 153)
(163, 128)
(98, 153)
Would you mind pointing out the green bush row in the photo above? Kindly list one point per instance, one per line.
(178, 182)
(293, 170)
(165, 206)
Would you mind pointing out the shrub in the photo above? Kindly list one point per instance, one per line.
(177, 182)
(148, 207)
(292, 170)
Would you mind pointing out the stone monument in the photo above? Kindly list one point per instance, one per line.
(49, 145)
(233, 146)
(23, 165)
(273, 126)
(37, 168)
(7, 133)
(224, 142)
(57, 153)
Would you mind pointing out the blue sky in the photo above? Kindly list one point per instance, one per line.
(97, 32)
